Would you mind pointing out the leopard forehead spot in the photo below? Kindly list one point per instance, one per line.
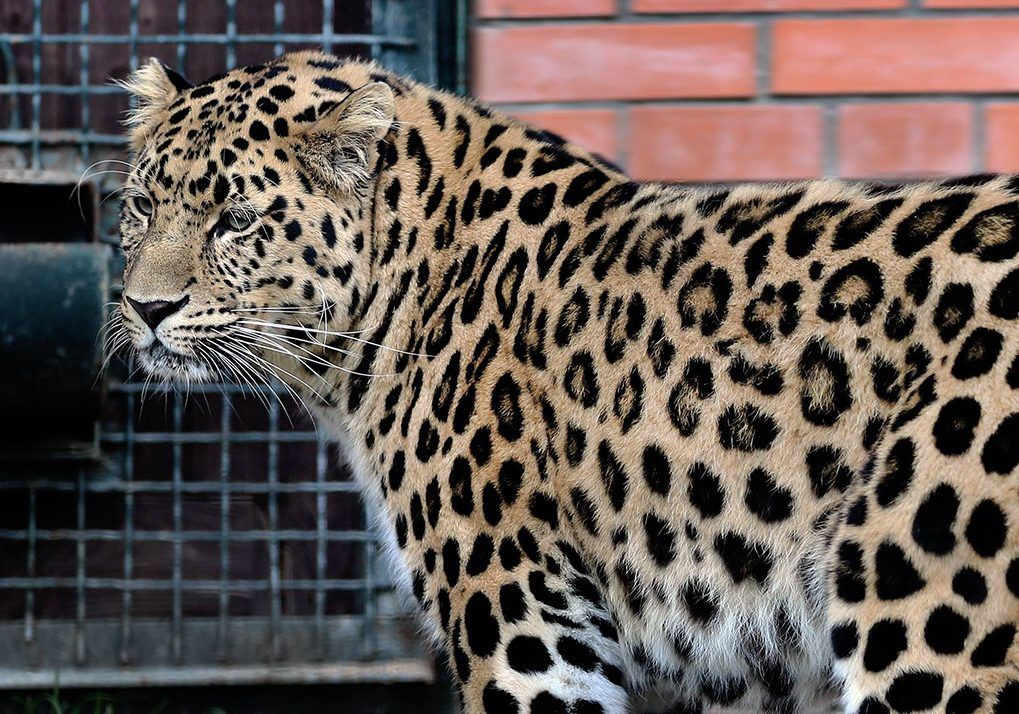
(631, 445)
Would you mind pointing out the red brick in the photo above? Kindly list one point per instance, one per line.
(761, 5)
(970, 54)
(566, 62)
(593, 129)
(543, 8)
(915, 139)
(1002, 138)
(725, 143)
(972, 3)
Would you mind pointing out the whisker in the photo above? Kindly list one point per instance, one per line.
(248, 357)
(263, 178)
(245, 359)
(290, 340)
(76, 190)
(145, 174)
(226, 370)
(141, 396)
(332, 333)
(277, 367)
(242, 372)
(113, 193)
(280, 347)
(317, 343)
(283, 310)
(292, 376)
(110, 354)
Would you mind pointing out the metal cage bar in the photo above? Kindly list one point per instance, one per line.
(37, 40)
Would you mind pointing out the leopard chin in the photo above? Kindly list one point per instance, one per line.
(163, 363)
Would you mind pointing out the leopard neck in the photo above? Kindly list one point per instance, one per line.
(459, 188)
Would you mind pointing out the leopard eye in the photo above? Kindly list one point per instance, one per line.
(142, 205)
(233, 221)
(238, 221)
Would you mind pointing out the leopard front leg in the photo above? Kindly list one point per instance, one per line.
(493, 567)
(534, 637)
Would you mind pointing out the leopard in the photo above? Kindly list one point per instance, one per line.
(631, 446)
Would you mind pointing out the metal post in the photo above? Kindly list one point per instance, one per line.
(36, 82)
(272, 537)
(126, 604)
(321, 524)
(223, 648)
(176, 645)
(83, 56)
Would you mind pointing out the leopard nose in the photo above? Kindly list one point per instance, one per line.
(152, 313)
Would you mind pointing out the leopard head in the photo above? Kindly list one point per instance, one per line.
(247, 213)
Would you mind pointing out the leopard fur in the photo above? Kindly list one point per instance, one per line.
(634, 447)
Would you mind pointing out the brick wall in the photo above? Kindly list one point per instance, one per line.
(724, 90)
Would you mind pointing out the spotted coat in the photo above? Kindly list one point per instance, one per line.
(633, 447)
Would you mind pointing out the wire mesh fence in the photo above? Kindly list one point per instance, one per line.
(217, 538)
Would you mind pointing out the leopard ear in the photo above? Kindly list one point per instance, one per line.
(341, 147)
(154, 86)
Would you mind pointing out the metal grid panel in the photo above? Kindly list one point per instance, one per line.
(275, 35)
(219, 541)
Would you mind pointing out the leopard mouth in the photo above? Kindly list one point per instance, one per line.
(160, 361)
